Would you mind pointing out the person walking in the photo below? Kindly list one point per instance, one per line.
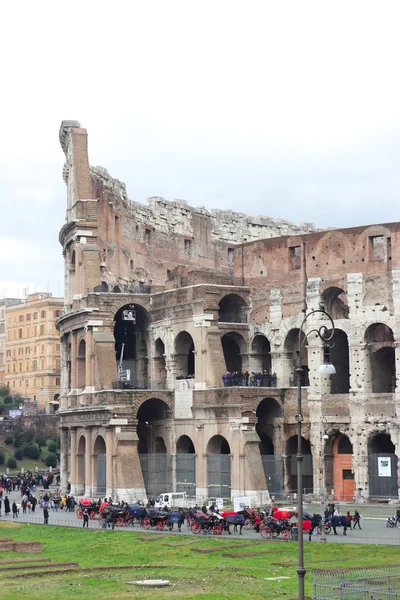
(397, 516)
(6, 506)
(46, 515)
(356, 519)
(85, 515)
(14, 510)
(349, 519)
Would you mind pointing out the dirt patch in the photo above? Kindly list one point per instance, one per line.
(3, 540)
(149, 538)
(178, 544)
(210, 550)
(245, 554)
(24, 560)
(52, 572)
(26, 567)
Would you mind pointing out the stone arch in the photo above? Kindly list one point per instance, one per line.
(260, 355)
(269, 429)
(234, 349)
(232, 309)
(81, 364)
(218, 467)
(155, 458)
(381, 358)
(100, 468)
(80, 467)
(335, 302)
(291, 349)
(184, 354)
(342, 474)
(131, 324)
(104, 286)
(382, 466)
(185, 466)
(116, 289)
(339, 357)
(291, 465)
(160, 371)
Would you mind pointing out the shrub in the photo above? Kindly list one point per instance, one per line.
(31, 451)
(41, 441)
(18, 440)
(12, 463)
(2, 457)
(51, 460)
(8, 399)
(58, 441)
(4, 390)
(28, 435)
(52, 446)
(18, 453)
(8, 440)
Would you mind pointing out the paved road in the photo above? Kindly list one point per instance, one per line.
(374, 530)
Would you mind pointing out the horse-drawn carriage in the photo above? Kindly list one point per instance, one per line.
(272, 528)
(155, 518)
(202, 523)
(91, 506)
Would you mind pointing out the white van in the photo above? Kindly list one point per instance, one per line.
(172, 500)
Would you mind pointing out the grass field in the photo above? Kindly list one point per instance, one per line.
(198, 567)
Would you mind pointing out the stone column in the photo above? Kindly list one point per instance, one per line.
(235, 462)
(74, 363)
(109, 462)
(89, 360)
(73, 461)
(64, 458)
(201, 466)
(88, 462)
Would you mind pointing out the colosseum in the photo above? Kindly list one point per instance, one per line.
(180, 344)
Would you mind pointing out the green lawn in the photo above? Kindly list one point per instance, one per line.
(193, 575)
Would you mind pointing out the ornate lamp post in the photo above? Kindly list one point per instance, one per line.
(325, 369)
(324, 438)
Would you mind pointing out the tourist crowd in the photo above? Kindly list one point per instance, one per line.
(240, 379)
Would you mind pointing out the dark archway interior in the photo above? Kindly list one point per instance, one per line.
(291, 347)
(344, 445)
(261, 350)
(104, 286)
(185, 445)
(291, 462)
(383, 370)
(184, 354)
(267, 411)
(335, 302)
(133, 335)
(291, 445)
(266, 445)
(379, 333)
(339, 357)
(381, 443)
(231, 349)
(232, 309)
(116, 289)
(218, 445)
(148, 429)
(99, 445)
(160, 447)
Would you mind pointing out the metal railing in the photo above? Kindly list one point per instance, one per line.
(251, 381)
(382, 583)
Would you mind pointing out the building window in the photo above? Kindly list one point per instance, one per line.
(20, 333)
(43, 314)
(14, 367)
(147, 234)
(58, 348)
(295, 257)
(28, 317)
(27, 365)
(231, 252)
(377, 247)
(28, 331)
(21, 318)
(8, 369)
(188, 246)
(35, 365)
(57, 381)
(20, 352)
(57, 313)
(8, 353)
(42, 330)
(27, 350)
(35, 316)
(42, 348)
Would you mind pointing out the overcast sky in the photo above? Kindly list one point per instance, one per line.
(285, 109)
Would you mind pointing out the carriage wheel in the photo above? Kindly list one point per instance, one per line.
(101, 521)
(146, 523)
(92, 514)
(248, 524)
(159, 526)
(128, 521)
(195, 527)
(79, 513)
(328, 529)
(217, 529)
(120, 522)
(319, 530)
(266, 532)
(286, 534)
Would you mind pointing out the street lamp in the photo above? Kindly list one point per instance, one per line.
(324, 438)
(325, 369)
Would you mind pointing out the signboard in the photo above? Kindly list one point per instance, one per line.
(220, 503)
(15, 413)
(124, 375)
(129, 315)
(384, 466)
(241, 503)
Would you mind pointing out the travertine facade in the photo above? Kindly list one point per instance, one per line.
(144, 406)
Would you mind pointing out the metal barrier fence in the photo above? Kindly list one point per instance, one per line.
(369, 583)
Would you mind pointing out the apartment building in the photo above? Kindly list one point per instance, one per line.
(32, 349)
(4, 304)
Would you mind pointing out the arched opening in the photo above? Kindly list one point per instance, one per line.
(131, 338)
(291, 453)
(381, 351)
(382, 467)
(234, 348)
(339, 357)
(160, 371)
(155, 460)
(81, 475)
(260, 366)
(343, 482)
(82, 365)
(232, 309)
(116, 289)
(184, 355)
(99, 452)
(269, 428)
(218, 468)
(72, 276)
(291, 350)
(104, 286)
(336, 303)
(185, 466)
